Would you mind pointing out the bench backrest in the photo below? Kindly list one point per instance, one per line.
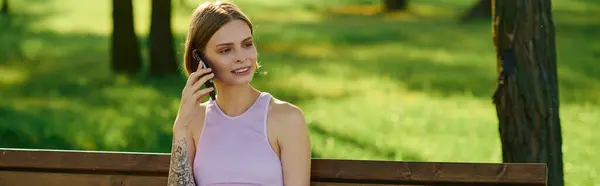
(87, 168)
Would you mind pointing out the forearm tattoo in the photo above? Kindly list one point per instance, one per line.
(180, 173)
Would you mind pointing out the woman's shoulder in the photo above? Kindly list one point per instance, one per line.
(285, 114)
(290, 127)
(283, 108)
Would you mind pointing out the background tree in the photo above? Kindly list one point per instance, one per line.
(4, 7)
(527, 96)
(395, 5)
(162, 53)
(481, 10)
(125, 48)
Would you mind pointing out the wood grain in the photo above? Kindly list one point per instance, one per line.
(106, 165)
(527, 103)
(10, 178)
(428, 172)
(85, 161)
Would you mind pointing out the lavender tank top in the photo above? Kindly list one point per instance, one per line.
(235, 151)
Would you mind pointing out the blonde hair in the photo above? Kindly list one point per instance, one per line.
(206, 20)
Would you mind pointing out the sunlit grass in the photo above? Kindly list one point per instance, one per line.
(407, 86)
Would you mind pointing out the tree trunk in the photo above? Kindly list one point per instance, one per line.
(481, 10)
(125, 47)
(162, 53)
(5, 7)
(395, 5)
(527, 100)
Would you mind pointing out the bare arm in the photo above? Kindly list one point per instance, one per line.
(182, 151)
(294, 142)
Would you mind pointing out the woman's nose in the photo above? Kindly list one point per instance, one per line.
(241, 57)
(241, 60)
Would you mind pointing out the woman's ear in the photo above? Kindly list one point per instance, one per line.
(194, 54)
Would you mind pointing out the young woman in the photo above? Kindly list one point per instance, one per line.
(245, 136)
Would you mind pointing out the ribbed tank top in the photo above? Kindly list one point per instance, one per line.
(235, 150)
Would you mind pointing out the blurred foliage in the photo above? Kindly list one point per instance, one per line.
(406, 86)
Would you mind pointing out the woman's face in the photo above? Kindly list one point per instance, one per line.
(232, 53)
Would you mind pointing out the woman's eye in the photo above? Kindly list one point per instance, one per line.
(225, 51)
(248, 44)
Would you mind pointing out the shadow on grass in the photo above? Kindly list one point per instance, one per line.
(66, 96)
(448, 58)
(417, 73)
(389, 154)
(20, 129)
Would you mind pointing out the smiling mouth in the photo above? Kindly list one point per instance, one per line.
(241, 70)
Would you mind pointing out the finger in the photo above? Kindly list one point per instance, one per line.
(202, 93)
(200, 65)
(205, 78)
(195, 75)
(201, 82)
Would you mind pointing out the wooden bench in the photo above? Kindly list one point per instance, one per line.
(22, 167)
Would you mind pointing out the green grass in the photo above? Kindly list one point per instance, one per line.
(403, 87)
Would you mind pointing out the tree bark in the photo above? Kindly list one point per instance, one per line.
(5, 7)
(395, 5)
(527, 100)
(125, 47)
(162, 53)
(481, 10)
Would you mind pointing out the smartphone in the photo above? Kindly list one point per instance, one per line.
(205, 64)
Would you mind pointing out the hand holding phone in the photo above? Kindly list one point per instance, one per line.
(204, 64)
(191, 97)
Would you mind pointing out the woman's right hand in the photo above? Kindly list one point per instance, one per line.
(191, 96)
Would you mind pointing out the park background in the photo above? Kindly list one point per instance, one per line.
(411, 86)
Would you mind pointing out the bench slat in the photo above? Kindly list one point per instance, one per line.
(94, 161)
(323, 170)
(429, 172)
(9, 178)
(316, 183)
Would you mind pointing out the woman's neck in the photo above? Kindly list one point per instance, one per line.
(236, 99)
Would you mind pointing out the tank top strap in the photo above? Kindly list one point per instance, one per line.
(211, 106)
(236, 150)
(257, 109)
(263, 102)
